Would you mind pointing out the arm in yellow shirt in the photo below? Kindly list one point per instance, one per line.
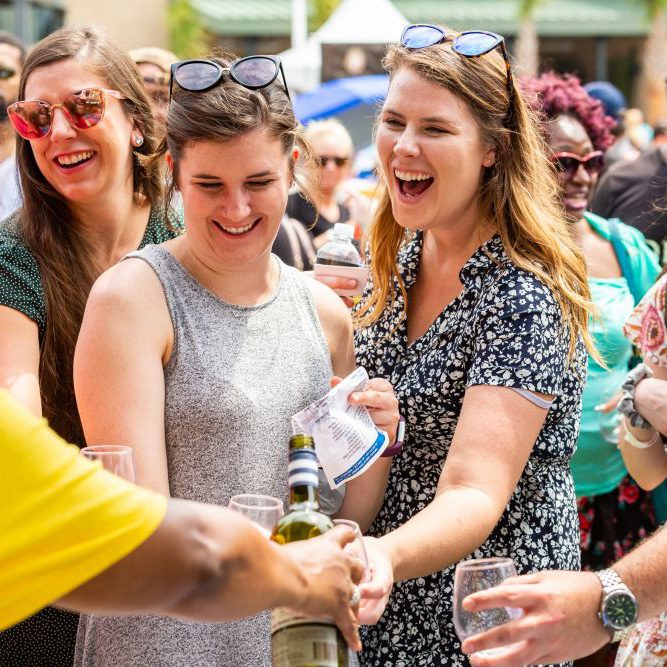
(75, 534)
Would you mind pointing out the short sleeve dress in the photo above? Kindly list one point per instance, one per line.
(504, 328)
(646, 327)
(47, 638)
(20, 281)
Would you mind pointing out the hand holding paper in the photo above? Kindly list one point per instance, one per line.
(347, 441)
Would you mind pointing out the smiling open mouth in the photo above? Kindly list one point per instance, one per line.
(236, 231)
(75, 159)
(412, 184)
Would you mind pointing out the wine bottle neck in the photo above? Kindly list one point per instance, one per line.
(302, 476)
(305, 496)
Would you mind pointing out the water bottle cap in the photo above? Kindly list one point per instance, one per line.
(343, 230)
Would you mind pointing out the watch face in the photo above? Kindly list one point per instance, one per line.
(620, 610)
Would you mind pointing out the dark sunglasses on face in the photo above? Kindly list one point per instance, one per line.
(33, 119)
(6, 72)
(469, 44)
(568, 163)
(252, 72)
(323, 160)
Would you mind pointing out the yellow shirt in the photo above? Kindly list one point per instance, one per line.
(63, 519)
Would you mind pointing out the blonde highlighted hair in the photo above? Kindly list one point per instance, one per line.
(330, 127)
(519, 193)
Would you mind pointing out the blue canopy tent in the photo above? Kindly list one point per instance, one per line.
(353, 100)
(334, 97)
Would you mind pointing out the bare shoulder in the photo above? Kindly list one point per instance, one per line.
(127, 284)
(333, 313)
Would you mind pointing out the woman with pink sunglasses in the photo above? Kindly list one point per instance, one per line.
(84, 128)
(614, 513)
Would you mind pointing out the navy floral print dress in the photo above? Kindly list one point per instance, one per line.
(504, 329)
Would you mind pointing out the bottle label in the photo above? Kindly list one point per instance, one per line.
(347, 441)
(302, 468)
(299, 641)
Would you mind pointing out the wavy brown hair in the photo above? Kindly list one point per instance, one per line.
(50, 229)
(519, 194)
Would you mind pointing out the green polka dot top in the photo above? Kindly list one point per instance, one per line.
(20, 281)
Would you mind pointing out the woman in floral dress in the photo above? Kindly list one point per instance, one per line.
(477, 313)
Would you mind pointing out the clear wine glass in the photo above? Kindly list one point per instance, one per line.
(356, 547)
(263, 511)
(117, 459)
(472, 576)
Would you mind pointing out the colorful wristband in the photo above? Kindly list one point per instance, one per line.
(398, 445)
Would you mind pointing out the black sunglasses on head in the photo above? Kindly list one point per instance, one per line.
(252, 72)
(469, 44)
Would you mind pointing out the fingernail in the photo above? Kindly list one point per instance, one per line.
(351, 284)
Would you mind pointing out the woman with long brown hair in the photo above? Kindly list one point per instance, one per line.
(477, 313)
(84, 128)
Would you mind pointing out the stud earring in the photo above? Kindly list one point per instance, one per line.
(137, 139)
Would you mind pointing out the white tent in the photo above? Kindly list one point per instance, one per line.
(354, 22)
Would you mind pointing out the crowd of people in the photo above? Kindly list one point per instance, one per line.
(159, 222)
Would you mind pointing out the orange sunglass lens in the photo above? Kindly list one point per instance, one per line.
(84, 109)
(32, 120)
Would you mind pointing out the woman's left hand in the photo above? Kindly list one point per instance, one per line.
(375, 593)
(381, 402)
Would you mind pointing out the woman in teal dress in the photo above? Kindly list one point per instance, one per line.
(614, 513)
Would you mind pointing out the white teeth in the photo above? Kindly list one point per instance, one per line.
(238, 230)
(411, 175)
(74, 158)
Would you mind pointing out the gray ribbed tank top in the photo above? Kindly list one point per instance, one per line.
(236, 376)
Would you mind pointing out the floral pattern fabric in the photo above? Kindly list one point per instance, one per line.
(646, 644)
(503, 329)
(645, 328)
(613, 523)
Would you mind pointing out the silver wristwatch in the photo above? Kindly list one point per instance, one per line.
(618, 608)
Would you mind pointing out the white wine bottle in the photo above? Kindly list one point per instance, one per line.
(301, 641)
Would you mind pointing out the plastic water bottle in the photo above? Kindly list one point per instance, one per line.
(339, 250)
(340, 258)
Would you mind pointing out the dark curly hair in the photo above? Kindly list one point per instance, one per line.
(552, 95)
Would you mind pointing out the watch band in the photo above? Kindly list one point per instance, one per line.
(398, 444)
(609, 578)
(611, 581)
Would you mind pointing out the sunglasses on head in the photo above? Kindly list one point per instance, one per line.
(469, 44)
(33, 119)
(323, 160)
(6, 72)
(568, 163)
(252, 72)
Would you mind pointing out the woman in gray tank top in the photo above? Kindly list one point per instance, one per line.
(197, 352)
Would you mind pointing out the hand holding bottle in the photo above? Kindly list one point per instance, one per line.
(340, 259)
(330, 577)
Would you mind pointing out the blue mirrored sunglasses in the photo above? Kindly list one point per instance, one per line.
(469, 44)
